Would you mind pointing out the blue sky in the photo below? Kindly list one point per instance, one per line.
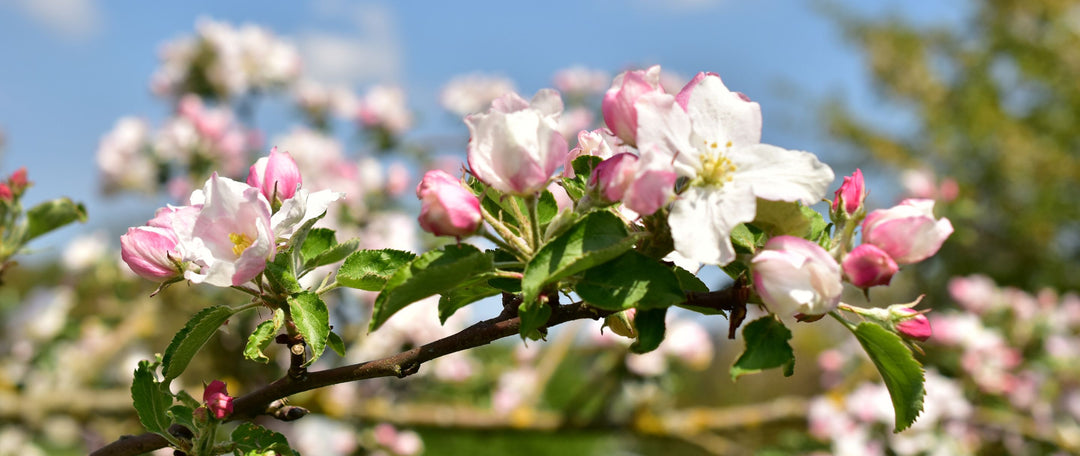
(72, 67)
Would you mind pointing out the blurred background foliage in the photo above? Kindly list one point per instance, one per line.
(995, 106)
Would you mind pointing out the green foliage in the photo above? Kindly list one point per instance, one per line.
(312, 319)
(650, 327)
(50, 215)
(578, 185)
(462, 296)
(766, 347)
(281, 275)
(432, 273)
(370, 269)
(151, 401)
(903, 375)
(335, 343)
(262, 337)
(321, 248)
(595, 239)
(254, 440)
(191, 338)
(631, 280)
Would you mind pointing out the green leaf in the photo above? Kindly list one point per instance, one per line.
(191, 338)
(252, 439)
(432, 273)
(182, 414)
(747, 238)
(318, 240)
(779, 218)
(312, 320)
(281, 276)
(370, 269)
(336, 344)
(462, 296)
(631, 280)
(51, 215)
(584, 166)
(262, 336)
(151, 401)
(533, 314)
(333, 254)
(187, 400)
(546, 208)
(650, 327)
(766, 347)
(903, 375)
(818, 225)
(690, 282)
(596, 239)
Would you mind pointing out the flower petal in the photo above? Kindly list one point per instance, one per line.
(702, 218)
(778, 174)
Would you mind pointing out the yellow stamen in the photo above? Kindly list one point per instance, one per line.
(716, 169)
(240, 242)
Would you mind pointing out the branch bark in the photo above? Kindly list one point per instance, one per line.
(400, 365)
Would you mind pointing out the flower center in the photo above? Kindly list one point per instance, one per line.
(716, 169)
(240, 242)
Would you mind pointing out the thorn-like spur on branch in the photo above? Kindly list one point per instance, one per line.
(408, 362)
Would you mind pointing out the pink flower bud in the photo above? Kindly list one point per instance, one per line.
(793, 275)
(907, 232)
(620, 114)
(151, 252)
(612, 177)
(447, 207)
(217, 399)
(850, 195)
(911, 324)
(275, 174)
(18, 181)
(515, 147)
(868, 266)
(5, 193)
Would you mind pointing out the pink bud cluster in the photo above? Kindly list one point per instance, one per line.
(15, 185)
(217, 399)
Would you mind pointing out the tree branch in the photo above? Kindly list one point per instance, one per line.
(402, 364)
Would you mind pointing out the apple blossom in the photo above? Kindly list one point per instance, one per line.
(217, 399)
(867, 266)
(908, 232)
(793, 275)
(712, 136)
(231, 238)
(276, 176)
(850, 195)
(515, 147)
(448, 208)
(598, 143)
(151, 252)
(384, 107)
(619, 105)
(6, 195)
(471, 93)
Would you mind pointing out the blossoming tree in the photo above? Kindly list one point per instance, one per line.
(675, 181)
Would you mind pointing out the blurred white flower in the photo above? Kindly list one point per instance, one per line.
(84, 251)
(473, 92)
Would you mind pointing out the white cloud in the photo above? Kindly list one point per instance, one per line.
(68, 18)
(370, 54)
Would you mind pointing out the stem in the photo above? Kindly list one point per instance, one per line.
(400, 365)
(247, 290)
(498, 242)
(517, 246)
(842, 320)
(533, 203)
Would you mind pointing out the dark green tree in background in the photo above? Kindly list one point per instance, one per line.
(996, 106)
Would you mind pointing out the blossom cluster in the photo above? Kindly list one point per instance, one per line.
(225, 62)
(230, 229)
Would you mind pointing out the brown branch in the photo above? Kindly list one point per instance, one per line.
(400, 365)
